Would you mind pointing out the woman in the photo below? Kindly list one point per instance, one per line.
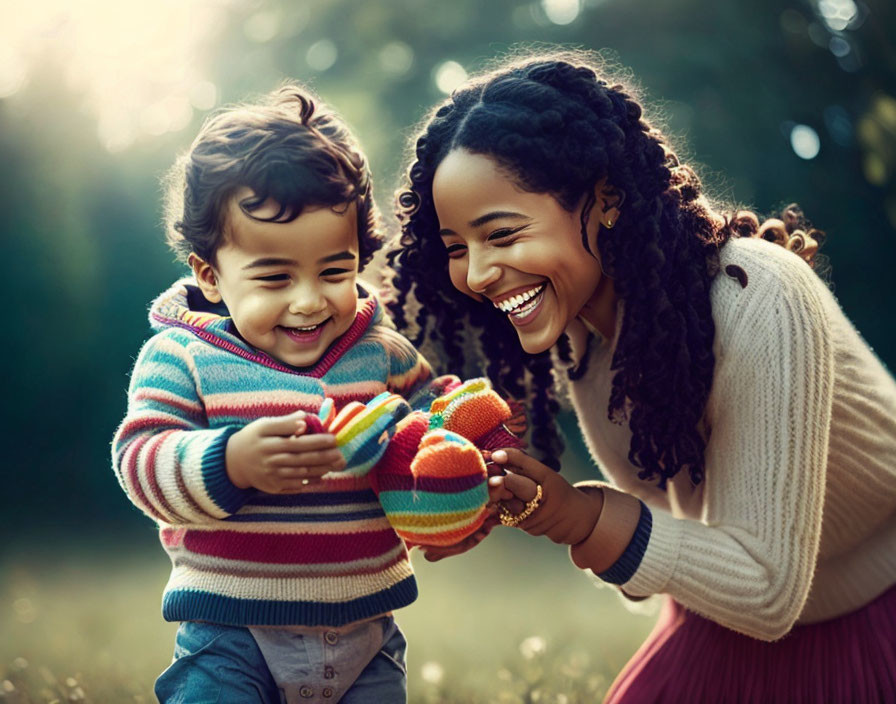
(748, 432)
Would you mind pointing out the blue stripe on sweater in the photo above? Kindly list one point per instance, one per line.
(214, 473)
(330, 498)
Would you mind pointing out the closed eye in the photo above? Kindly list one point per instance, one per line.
(455, 250)
(335, 272)
(273, 277)
(504, 233)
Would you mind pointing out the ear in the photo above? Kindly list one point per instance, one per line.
(608, 202)
(205, 277)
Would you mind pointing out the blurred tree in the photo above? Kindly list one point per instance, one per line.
(84, 251)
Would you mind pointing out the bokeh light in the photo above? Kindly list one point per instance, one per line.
(448, 76)
(396, 58)
(838, 14)
(432, 672)
(533, 646)
(322, 55)
(136, 64)
(262, 26)
(561, 11)
(805, 141)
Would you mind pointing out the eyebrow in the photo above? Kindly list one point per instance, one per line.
(339, 256)
(269, 261)
(483, 219)
(279, 261)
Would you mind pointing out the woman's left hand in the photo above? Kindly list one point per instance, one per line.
(564, 514)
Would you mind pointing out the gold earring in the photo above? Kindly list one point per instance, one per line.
(609, 224)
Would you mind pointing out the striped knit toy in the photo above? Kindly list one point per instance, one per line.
(432, 486)
(326, 556)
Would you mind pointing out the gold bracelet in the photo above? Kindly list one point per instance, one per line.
(511, 520)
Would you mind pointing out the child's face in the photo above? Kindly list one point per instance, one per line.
(290, 287)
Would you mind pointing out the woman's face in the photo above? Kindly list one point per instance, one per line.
(522, 251)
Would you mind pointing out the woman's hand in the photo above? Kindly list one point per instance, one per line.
(434, 553)
(565, 514)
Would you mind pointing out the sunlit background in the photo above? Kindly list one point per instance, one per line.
(791, 100)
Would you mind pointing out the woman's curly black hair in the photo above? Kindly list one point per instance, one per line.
(558, 128)
(290, 148)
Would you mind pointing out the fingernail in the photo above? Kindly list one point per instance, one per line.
(495, 481)
(499, 456)
(301, 426)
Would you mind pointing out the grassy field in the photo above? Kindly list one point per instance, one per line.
(512, 621)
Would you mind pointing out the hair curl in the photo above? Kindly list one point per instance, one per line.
(558, 128)
(288, 148)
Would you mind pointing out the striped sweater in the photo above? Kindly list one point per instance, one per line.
(326, 556)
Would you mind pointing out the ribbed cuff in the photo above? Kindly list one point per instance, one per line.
(222, 491)
(622, 570)
(660, 557)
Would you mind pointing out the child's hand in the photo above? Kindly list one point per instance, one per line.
(274, 456)
(565, 514)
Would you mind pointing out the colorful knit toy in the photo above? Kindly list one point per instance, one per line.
(428, 473)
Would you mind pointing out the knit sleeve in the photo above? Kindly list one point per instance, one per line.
(409, 373)
(748, 564)
(166, 458)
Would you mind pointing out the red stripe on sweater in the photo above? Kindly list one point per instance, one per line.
(133, 461)
(151, 474)
(263, 409)
(270, 548)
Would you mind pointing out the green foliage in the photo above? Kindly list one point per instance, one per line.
(84, 252)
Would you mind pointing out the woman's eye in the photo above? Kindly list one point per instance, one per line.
(273, 277)
(334, 272)
(455, 250)
(504, 233)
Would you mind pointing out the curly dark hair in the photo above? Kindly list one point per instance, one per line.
(557, 128)
(289, 148)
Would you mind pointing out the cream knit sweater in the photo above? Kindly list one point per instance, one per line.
(795, 521)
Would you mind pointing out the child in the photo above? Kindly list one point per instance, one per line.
(285, 524)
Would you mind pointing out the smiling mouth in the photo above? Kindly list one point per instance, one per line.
(306, 333)
(521, 303)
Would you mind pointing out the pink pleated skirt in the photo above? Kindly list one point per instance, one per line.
(688, 658)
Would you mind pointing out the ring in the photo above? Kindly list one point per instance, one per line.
(511, 520)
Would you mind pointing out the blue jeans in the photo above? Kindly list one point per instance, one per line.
(215, 664)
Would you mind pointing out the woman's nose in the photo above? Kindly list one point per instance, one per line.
(482, 272)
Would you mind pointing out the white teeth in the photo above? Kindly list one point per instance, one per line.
(510, 304)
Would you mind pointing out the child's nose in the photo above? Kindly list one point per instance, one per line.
(306, 300)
